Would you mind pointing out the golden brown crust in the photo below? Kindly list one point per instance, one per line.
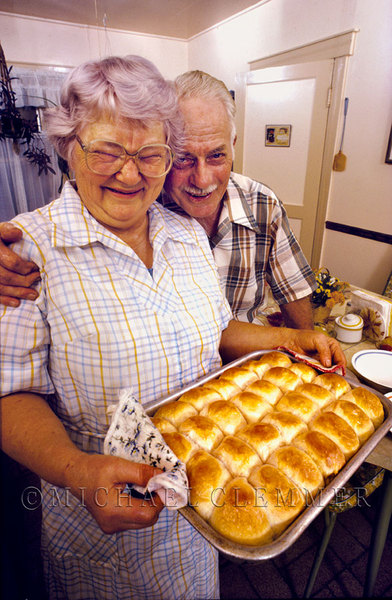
(226, 415)
(238, 517)
(206, 476)
(182, 447)
(325, 453)
(275, 359)
(199, 397)
(282, 499)
(285, 379)
(266, 390)
(299, 405)
(316, 393)
(240, 376)
(202, 431)
(162, 424)
(256, 367)
(368, 402)
(333, 382)
(338, 431)
(304, 371)
(237, 456)
(176, 412)
(354, 416)
(262, 437)
(251, 406)
(288, 425)
(299, 467)
(226, 389)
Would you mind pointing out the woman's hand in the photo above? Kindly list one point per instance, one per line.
(16, 274)
(99, 480)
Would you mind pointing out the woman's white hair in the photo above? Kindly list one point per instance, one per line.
(198, 84)
(129, 87)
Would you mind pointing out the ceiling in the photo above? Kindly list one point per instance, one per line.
(173, 18)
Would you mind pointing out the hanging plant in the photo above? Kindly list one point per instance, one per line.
(15, 126)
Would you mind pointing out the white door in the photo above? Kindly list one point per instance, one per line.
(295, 95)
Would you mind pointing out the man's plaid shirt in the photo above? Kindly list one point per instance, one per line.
(254, 248)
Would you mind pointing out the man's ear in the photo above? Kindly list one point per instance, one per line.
(235, 139)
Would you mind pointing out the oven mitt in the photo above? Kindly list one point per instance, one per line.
(133, 436)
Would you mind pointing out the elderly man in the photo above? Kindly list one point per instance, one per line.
(247, 225)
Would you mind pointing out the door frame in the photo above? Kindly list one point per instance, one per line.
(339, 48)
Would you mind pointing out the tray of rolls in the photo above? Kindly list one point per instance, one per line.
(267, 441)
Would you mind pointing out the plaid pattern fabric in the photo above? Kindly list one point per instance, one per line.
(254, 248)
(102, 323)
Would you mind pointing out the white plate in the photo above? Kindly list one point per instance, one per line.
(375, 366)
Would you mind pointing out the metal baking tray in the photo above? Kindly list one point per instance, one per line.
(241, 552)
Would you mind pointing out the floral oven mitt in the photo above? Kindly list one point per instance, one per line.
(133, 436)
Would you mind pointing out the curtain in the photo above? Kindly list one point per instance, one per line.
(21, 188)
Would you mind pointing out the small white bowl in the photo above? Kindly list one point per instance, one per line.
(349, 328)
(375, 367)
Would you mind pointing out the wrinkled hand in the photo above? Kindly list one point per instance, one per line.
(16, 274)
(99, 480)
(328, 349)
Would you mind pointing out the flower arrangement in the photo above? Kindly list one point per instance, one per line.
(329, 289)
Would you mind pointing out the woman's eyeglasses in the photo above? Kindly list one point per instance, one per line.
(106, 158)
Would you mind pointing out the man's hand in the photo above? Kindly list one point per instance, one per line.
(99, 480)
(309, 342)
(16, 274)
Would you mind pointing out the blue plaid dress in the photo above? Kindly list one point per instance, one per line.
(103, 322)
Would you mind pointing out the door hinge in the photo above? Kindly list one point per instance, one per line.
(329, 96)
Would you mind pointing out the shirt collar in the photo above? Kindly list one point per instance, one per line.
(235, 208)
(73, 225)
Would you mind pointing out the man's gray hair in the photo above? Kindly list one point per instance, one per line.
(198, 84)
(129, 87)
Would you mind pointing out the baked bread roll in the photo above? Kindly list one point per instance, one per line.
(285, 379)
(299, 467)
(256, 367)
(338, 431)
(304, 371)
(240, 376)
(368, 402)
(182, 447)
(199, 397)
(262, 437)
(275, 359)
(162, 424)
(206, 476)
(237, 516)
(237, 456)
(226, 389)
(282, 499)
(333, 382)
(266, 390)
(253, 407)
(299, 405)
(288, 425)
(175, 412)
(226, 415)
(316, 393)
(202, 431)
(354, 416)
(325, 453)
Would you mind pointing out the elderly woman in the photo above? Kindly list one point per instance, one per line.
(129, 296)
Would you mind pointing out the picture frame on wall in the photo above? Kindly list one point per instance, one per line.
(388, 157)
(278, 135)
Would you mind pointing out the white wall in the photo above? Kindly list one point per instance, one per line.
(361, 196)
(38, 41)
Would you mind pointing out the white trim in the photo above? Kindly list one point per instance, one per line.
(334, 46)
